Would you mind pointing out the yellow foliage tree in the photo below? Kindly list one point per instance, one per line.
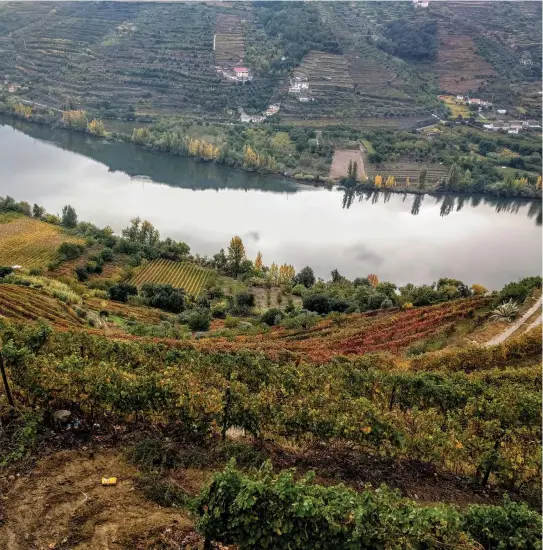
(140, 135)
(251, 159)
(22, 110)
(373, 280)
(378, 181)
(236, 254)
(96, 127)
(407, 181)
(286, 273)
(274, 273)
(479, 290)
(538, 183)
(75, 119)
(282, 144)
(390, 182)
(258, 262)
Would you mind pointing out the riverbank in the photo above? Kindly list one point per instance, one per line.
(200, 150)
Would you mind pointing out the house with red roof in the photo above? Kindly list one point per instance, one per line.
(241, 73)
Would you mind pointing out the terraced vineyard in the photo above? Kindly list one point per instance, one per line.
(229, 44)
(187, 276)
(21, 303)
(29, 242)
(458, 65)
(112, 56)
(379, 330)
(407, 169)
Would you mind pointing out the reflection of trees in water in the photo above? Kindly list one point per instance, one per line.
(448, 202)
(461, 201)
(348, 197)
(417, 201)
(158, 167)
(536, 209)
(447, 206)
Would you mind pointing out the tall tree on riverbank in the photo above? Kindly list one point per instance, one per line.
(258, 262)
(422, 178)
(236, 254)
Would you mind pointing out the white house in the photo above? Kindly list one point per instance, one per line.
(502, 111)
(420, 3)
(242, 73)
(271, 110)
(497, 126)
(531, 124)
(460, 97)
(480, 102)
(298, 85)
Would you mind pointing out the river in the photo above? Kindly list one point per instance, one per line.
(401, 238)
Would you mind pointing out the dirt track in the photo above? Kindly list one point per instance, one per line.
(62, 505)
(516, 325)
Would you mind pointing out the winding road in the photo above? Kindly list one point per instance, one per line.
(515, 326)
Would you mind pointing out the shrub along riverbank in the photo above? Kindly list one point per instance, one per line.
(297, 153)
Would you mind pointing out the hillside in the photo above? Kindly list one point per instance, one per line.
(126, 59)
(129, 357)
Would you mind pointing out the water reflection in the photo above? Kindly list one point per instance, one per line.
(448, 203)
(399, 236)
(155, 166)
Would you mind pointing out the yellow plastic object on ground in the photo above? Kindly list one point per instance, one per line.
(109, 481)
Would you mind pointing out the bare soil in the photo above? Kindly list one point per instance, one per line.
(61, 504)
(340, 162)
(416, 480)
(459, 66)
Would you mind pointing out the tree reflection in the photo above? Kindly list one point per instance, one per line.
(417, 201)
(449, 203)
(447, 206)
(536, 209)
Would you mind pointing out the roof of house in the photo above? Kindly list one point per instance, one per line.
(241, 69)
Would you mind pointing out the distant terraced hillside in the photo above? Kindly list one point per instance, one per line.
(124, 59)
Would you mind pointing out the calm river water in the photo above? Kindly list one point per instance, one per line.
(401, 238)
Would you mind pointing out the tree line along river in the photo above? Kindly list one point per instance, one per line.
(401, 238)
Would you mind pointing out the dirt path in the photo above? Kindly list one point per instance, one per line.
(61, 504)
(516, 325)
(534, 324)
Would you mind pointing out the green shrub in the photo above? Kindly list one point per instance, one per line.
(301, 515)
(120, 292)
(82, 273)
(165, 297)
(272, 316)
(518, 291)
(5, 270)
(219, 310)
(231, 322)
(508, 527)
(298, 290)
(70, 251)
(198, 319)
(303, 321)
(106, 254)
